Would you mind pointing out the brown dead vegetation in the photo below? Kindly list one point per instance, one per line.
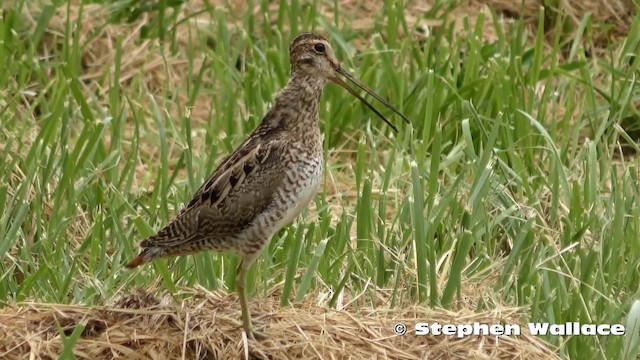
(206, 325)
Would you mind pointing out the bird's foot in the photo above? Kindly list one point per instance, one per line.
(256, 335)
(251, 332)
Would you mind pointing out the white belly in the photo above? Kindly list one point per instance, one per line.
(301, 198)
(293, 198)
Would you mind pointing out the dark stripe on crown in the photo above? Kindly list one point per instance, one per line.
(304, 38)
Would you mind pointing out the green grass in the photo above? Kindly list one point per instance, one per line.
(508, 174)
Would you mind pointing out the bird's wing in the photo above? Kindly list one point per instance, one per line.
(242, 187)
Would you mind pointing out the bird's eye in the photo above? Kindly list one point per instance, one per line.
(319, 47)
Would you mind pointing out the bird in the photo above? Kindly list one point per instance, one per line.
(269, 179)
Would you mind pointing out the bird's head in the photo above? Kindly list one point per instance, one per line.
(312, 54)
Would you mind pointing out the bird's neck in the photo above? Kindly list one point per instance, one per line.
(305, 84)
(298, 103)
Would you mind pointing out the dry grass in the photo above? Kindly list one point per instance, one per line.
(206, 326)
(617, 14)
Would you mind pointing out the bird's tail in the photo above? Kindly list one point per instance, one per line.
(145, 256)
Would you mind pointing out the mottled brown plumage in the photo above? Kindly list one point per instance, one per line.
(269, 179)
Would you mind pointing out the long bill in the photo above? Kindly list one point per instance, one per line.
(339, 81)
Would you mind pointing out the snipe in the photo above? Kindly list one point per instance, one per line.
(269, 179)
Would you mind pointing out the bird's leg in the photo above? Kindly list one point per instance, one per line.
(241, 276)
